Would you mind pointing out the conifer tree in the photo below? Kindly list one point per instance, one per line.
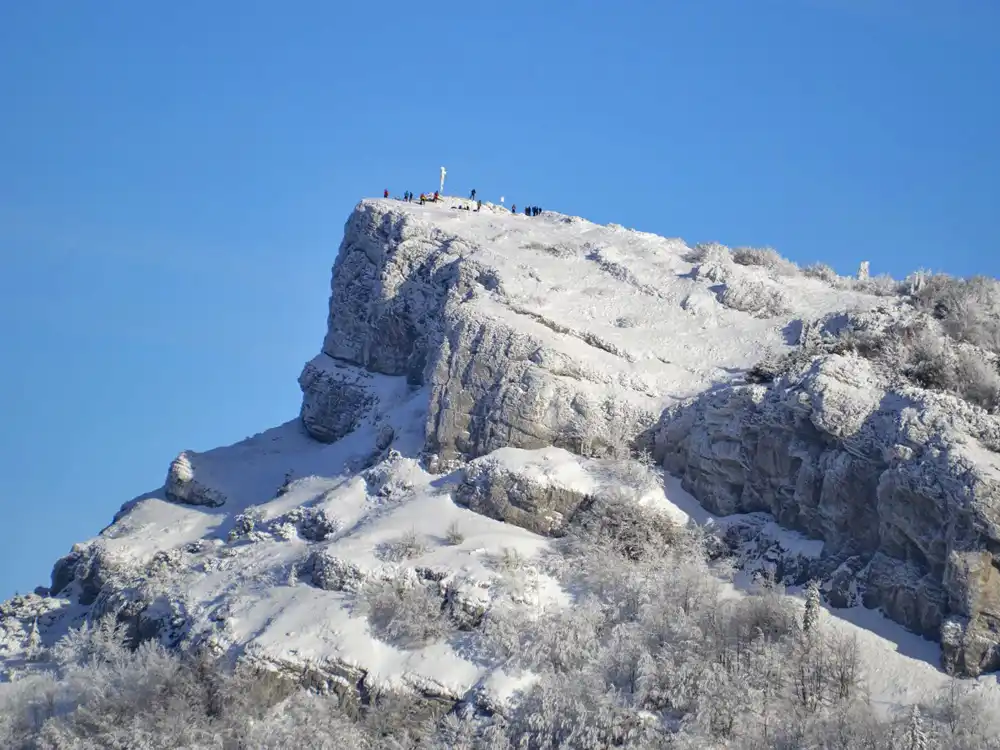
(915, 736)
(810, 618)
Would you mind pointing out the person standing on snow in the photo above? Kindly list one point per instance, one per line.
(385, 193)
(472, 196)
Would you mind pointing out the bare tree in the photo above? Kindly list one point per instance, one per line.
(845, 666)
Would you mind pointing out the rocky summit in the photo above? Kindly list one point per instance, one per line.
(484, 377)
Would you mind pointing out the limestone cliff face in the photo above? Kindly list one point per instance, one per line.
(409, 301)
(895, 481)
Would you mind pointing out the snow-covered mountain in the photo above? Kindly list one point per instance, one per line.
(484, 376)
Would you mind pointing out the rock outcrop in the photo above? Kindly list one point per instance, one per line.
(183, 486)
(334, 399)
(535, 492)
(409, 300)
(895, 481)
(837, 448)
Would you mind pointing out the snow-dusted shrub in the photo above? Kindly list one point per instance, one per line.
(976, 379)
(25, 707)
(969, 309)
(453, 534)
(306, 721)
(245, 524)
(617, 521)
(933, 361)
(405, 547)
(882, 285)
(714, 262)
(638, 473)
(765, 257)
(332, 573)
(766, 613)
(461, 731)
(755, 297)
(510, 560)
(404, 611)
(914, 346)
(563, 641)
(708, 252)
(575, 712)
(401, 720)
(313, 524)
(103, 641)
(823, 272)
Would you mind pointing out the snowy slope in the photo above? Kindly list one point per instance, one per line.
(605, 311)
(633, 290)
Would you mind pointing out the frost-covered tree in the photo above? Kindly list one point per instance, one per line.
(33, 645)
(404, 611)
(845, 667)
(101, 642)
(914, 735)
(810, 617)
(809, 676)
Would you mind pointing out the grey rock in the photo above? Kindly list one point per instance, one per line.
(895, 480)
(493, 386)
(183, 486)
(403, 303)
(334, 399)
(757, 545)
(391, 282)
(520, 494)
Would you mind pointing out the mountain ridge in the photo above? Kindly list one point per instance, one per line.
(471, 358)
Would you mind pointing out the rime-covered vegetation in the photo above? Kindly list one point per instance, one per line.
(944, 337)
(656, 652)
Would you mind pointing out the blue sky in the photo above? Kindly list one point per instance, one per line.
(174, 183)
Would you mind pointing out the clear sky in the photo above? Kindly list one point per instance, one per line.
(175, 177)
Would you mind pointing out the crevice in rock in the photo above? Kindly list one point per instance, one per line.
(585, 336)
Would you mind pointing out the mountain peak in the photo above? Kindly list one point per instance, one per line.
(485, 379)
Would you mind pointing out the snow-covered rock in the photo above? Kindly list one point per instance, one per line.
(483, 374)
(537, 490)
(895, 480)
(183, 486)
(515, 324)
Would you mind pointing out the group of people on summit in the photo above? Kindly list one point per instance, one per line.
(424, 198)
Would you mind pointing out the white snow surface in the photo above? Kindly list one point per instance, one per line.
(627, 287)
(632, 289)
